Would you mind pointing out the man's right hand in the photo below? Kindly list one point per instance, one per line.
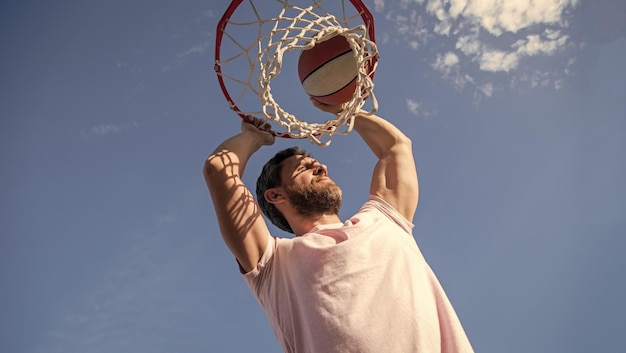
(260, 129)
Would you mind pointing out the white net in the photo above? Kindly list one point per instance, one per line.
(255, 39)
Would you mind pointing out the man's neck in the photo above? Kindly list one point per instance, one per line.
(304, 225)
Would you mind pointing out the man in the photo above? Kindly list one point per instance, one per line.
(358, 286)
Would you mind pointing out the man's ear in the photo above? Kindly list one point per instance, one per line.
(274, 195)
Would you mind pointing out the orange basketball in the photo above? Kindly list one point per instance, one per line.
(328, 71)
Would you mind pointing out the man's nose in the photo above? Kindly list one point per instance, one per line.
(320, 169)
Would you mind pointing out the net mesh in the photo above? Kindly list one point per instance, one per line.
(267, 39)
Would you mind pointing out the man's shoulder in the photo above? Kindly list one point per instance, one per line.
(377, 205)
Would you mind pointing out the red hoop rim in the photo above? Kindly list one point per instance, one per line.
(366, 16)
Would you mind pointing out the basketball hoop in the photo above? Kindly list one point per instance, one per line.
(252, 39)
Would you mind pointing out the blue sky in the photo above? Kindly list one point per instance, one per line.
(109, 242)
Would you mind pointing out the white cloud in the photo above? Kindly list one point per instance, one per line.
(379, 5)
(497, 60)
(486, 89)
(469, 44)
(417, 108)
(558, 84)
(444, 63)
(409, 27)
(534, 44)
(413, 106)
(405, 3)
(492, 36)
(500, 60)
(196, 49)
(183, 56)
(414, 44)
(437, 8)
(456, 7)
(499, 16)
(443, 28)
(110, 129)
(448, 64)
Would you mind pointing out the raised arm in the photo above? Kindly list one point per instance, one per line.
(240, 220)
(394, 178)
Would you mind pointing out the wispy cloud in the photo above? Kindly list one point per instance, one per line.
(486, 89)
(379, 5)
(462, 38)
(182, 57)
(133, 296)
(413, 106)
(417, 108)
(137, 298)
(110, 129)
(165, 218)
(508, 58)
(191, 39)
(448, 64)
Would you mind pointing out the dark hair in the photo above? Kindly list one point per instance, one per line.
(270, 178)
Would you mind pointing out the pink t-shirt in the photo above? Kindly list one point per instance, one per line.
(362, 286)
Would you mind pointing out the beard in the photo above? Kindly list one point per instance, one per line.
(315, 199)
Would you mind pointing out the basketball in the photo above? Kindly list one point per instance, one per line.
(328, 71)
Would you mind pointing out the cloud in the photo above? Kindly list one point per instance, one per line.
(464, 38)
(379, 5)
(166, 218)
(196, 50)
(410, 27)
(489, 59)
(535, 44)
(192, 40)
(111, 129)
(417, 108)
(449, 65)
(447, 60)
(486, 89)
(413, 106)
(130, 68)
(142, 291)
(469, 44)
(500, 16)
(497, 60)
(132, 299)
(497, 17)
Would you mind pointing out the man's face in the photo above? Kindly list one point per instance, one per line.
(308, 188)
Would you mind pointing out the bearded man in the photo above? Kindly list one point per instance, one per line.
(356, 286)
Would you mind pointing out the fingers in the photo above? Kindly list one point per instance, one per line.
(258, 123)
(260, 128)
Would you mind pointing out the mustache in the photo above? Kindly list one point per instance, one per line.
(321, 178)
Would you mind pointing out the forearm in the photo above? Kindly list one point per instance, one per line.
(241, 223)
(394, 178)
(380, 135)
(232, 155)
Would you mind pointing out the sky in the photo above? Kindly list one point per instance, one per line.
(109, 243)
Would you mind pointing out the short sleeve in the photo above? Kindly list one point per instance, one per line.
(390, 212)
(256, 277)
